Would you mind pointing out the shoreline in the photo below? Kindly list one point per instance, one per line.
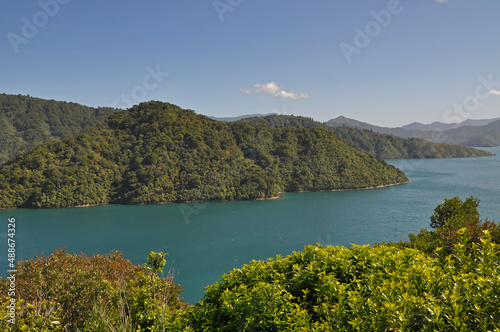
(354, 189)
(279, 196)
(368, 188)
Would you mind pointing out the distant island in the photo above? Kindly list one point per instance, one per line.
(157, 152)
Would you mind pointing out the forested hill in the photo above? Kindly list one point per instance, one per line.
(158, 152)
(26, 121)
(381, 146)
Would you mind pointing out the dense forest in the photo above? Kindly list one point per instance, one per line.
(455, 286)
(26, 121)
(381, 146)
(157, 152)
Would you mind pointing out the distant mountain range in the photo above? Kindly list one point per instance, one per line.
(440, 126)
(480, 133)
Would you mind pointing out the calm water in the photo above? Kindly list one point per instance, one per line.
(207, 240)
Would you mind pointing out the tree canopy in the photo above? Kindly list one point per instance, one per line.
(27, 121)
(449, 217)
(455, 208)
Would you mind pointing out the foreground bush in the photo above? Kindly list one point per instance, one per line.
(71, 292)
(362, 288)
(321, 288)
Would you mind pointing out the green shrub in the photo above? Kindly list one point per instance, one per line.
(362, 288)
(92, 293)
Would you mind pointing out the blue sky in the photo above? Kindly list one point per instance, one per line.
(384, 62)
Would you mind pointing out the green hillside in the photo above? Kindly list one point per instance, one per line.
(26, 121)
(487, 135)
(381, 146)
(158, 152)
(490, 139)
(386, 146)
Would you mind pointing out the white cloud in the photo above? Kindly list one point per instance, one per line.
(289, 95)
(494, 92)
(269, 88)
(272, 88)
(441, 1)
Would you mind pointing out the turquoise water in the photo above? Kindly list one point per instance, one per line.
(207, 240)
